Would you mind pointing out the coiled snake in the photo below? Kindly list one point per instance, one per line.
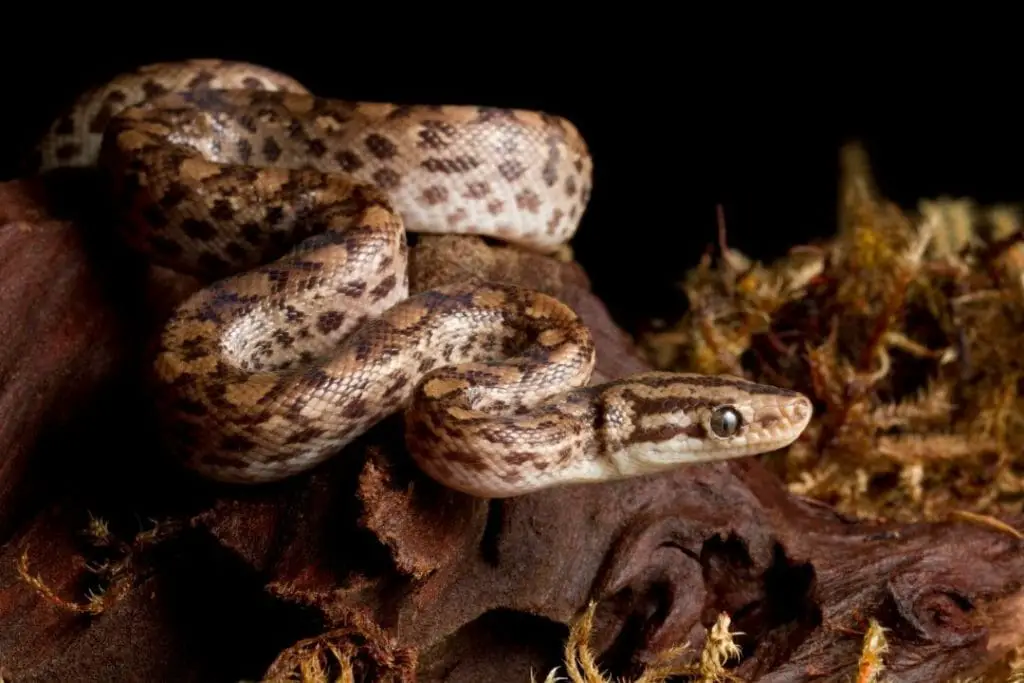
(295, 207)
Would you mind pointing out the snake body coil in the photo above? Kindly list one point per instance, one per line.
(296, 208)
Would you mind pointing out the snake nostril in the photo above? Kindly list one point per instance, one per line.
(799, 410)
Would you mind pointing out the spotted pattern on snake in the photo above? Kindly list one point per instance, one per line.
(295, 209)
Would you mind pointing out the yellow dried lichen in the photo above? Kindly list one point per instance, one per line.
(113, 574)
(581, 663)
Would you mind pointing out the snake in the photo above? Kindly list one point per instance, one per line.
(295, 211)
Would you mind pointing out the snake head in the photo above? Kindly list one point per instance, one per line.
(680, 418)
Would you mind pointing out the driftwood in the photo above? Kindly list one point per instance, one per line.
(61, 337)
(370, 563)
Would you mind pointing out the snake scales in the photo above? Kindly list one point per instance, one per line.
(295, 208)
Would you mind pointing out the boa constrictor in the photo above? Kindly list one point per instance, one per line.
(295, 208)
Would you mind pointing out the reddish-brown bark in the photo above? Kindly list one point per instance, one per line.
(59, 334)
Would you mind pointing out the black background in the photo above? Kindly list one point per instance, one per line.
(681, 111)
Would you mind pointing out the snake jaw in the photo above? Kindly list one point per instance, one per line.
(779, 425)
(773, 424)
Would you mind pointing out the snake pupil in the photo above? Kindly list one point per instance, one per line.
(726, 421)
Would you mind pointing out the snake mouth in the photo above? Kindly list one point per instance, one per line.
(798, 411)
(779, 427)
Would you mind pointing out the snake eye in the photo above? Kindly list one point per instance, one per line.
(726, 421)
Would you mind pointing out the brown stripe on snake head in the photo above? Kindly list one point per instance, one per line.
(661, 380)
(663, 404)
(667, 432)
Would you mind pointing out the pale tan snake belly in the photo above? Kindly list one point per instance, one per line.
(295, 208)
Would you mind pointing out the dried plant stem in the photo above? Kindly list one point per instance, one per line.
(581, 664)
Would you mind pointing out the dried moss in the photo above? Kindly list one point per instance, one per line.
(357, 650)
(905, 328)
(112, 566)
(581, 664)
